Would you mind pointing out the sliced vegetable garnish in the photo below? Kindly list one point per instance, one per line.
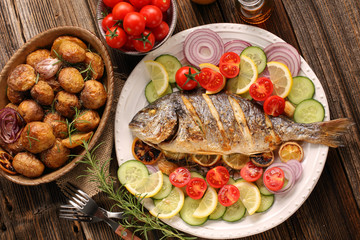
(228, 195)
(303, 88)
(180, 177)
(274, 178)
(196, 188)
(205, 160)
(257, 55)
(309, 111)
(251, 172)
(217, 176)
(236, 46)
(145, 153)
(291, 151)
(11, 125)
(229, 64)
(211, 80)
(290, 177)
(274, 105)
(261, 89)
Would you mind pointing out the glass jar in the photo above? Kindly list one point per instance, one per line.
(254, 11)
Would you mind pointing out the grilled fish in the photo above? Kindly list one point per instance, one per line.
(196, 123)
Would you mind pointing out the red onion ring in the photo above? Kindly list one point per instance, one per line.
(297, 167)
(236, 46)
(203, 46)
(151, 169)
(11, 125)
(289, 175)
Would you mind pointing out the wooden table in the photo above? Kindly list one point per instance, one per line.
(327, 34)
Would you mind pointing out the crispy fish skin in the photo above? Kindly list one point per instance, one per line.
(196, 123)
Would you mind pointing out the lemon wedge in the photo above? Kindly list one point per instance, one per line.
(208, 203)
(236, 160)
(249, 196)
(169, 206)
(281, 78)
(247, 75)
(148, 186)
(158, 76)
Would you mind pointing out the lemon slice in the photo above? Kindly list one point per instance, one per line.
(291, 150)
(281, 78)
(249, 196)
(158, 76)
(169, 206)
(236, 161)
(148, 187)
(215, 68)
(205, 160)
(247, 75)
(208, 203)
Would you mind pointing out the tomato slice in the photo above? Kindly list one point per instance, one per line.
(218, 176)
(196, 188)
(274, 105)
(261, 89)
(210, 79)
(251, 172)
(180, 177)
(228, 195)
(229, 64)
(274, 178)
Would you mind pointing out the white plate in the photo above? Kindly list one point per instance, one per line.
(132, 99)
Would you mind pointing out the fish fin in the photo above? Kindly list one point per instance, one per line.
(331, 131)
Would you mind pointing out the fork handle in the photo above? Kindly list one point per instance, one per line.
(126, 234)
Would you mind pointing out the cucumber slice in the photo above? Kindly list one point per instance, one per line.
(309, 111)
(196, 174)
(218, 212)
(150, 92)
(171, 64)
(186, 213)
(132, 171)
(231, 181)
(257, 55)
(263, 190)
(165, 189)
(303, 88)
(234, 212)
(266, 203)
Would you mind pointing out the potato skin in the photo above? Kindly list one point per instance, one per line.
(13, 148)
(57, 122)
(71, 80)
(76, 139)
(56, 156)
(37, 137)
(71, 52)
(22, 78)
(14, 96)
(42, 93)
(58, 41)
(87, 121)
(54, 84)
(97, 64)
(28, 165)
(37, 56)
(30, 111)
(65, 103)
(93, 96)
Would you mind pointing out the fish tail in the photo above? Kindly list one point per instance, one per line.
(331, 131)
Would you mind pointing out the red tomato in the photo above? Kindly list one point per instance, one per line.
(153, 16)
(210, 79)
(134, 23)
(274, 178)
(129, 45)
(261, 89)
(140, 3)
(162, 4)
(228, 195)
(185, 78)
(196, 188)
(218, 176)
(161, 31)
(229, 64)
(274, 105)
(180, 177)
(250, 172)
(116, 37)
(111, 3)
(121, 9)
(145, 42)
(108, 22)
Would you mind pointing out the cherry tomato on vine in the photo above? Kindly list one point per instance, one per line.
(250, 172)
(153, 15)
(116, 37)
(185, 76)
(210, 79)
(145, 42)
(228, 195)
(217, 176)
(162, 4)
(121, 9)
(140, 3)
(134, 23)
(111, 3)
(261, 89)
(274, 105)
(274, 178)
(196, 188)
(161, 31)
(108, 22)
(180, 177)
(229, 64)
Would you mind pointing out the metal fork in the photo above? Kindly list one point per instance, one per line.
(72, 213)
(89, 207)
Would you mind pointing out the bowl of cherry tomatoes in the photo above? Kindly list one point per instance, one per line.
(136, 27)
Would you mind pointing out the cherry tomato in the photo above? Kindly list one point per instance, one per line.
(274, 178)
(111, 3)
(196, 188)
(185, 76)
(108, 22)
(162, 4)
(210, 79)
(250, 172)
(145, 42)
(134, 23)
(261, 89)
(274, 105)
(153, 15)
(228, 195)
(116, 37)
(121, 9)
(229, 64)
(140, 3)
(218, 176)
(180, 177)
(161, 31)
(129, 45)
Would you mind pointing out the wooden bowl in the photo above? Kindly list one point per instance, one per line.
(45, 40)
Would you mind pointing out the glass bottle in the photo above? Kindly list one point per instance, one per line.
(254, 11)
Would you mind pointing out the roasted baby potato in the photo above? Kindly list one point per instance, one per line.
(22, 78)
(72, 52)
(76, 139)
(42, 93)
(87, 121)
(56, 156)
(97, 64)
(57, 123)
(58, 41)
(54, 84)
(65, 103)
(13, 148)
(28, 165)
(37, 56)
(93, 96)
(37, 137)
(71, 80)
(30, 111)
(14, 96)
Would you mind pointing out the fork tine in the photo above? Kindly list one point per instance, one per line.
(83, 194)
(76, 218)
(76, 205)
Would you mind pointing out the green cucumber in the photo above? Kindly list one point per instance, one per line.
(171, 64)
(257, 55)
(218, 212)
(196, 174)
(132, 171)
(309, 111)
(186, 213)
(302, 89)
(151, 94)
(165, 189)
(231, 181)
(263, 190)
(234, 212)
(266, 203)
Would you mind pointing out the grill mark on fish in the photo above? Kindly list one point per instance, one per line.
(193, 114)
(273, 139)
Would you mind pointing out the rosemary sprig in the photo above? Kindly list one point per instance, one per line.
(37, 78)
(71, 125)
(89, 72)
(30, 137)
(135, 214)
